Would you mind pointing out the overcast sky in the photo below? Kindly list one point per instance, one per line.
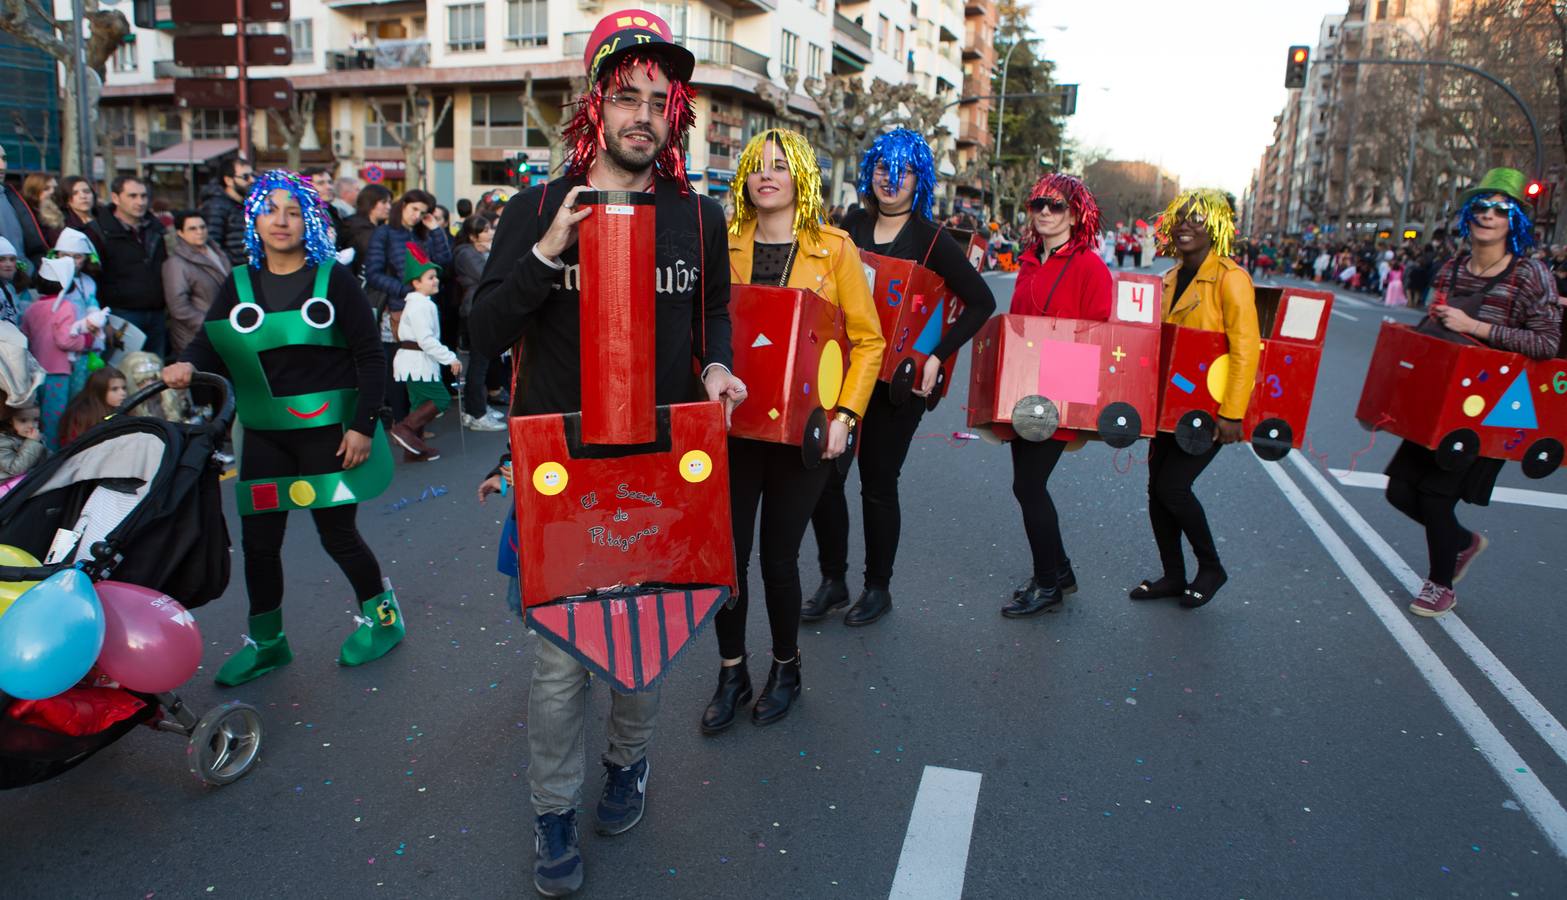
(1193, 86)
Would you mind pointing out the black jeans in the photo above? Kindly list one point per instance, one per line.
(1445, 538)
(770, 476)
(885, 435)
(475, 396)
(311, 451)
(1032, 463)
(396, 396)
(1173, 509)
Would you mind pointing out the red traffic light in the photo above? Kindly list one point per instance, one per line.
(1299, 55)
(1533, 190)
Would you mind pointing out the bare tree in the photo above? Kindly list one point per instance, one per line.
(412, 131)
(32, 23)
(553, 126)
(300, 119)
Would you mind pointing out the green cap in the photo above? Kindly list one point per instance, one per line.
(1500, 181)
(416, 262)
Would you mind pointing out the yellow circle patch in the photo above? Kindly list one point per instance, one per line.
(695, 466)
(1219, 377)
(301, 493)
(1474, 405)
(829, 375)
(549, 478)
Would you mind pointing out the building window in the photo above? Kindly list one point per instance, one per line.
(813, 61)
(791, 54)
(718, 27)
(120, 122)
(674, 14)
(527, 23)
(822, 6)
(881, 33)
(302, 38)
(497, 123)
(125, 58)
(465, 27)
(214, 124)
(388, 130)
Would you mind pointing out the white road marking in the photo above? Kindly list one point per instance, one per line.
(1530, 792)
(1518, 496)
(1345, 315)
(935, 848)
(1513, 690)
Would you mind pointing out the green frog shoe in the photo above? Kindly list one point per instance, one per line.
(266, 648)
(380, 629)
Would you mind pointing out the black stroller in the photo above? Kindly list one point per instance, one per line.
(167, 534)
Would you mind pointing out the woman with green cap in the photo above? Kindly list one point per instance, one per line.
(1495, 296)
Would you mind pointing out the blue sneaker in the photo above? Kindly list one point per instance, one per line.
(557, 871)
(625, 796)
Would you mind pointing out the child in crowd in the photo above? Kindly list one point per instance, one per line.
(420, 355)
(14, 283)
(58, 339)
(104, 393)
(21, 440)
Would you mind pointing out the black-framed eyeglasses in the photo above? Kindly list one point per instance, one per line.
(1054, 204)
(631, 102)
(1501, 206)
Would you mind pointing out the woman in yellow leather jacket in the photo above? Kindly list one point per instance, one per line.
(1209, 292)
(778, 237)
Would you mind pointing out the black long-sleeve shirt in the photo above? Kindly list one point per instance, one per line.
(946, 259)
(520, 296)
(301, 370)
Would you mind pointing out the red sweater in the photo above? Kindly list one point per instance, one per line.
(1083, 291)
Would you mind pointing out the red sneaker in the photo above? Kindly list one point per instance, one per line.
(1433, 600)
(1476, 547)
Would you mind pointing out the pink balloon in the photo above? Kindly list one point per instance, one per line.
(150, 641)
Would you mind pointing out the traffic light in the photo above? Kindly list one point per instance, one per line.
(518, 171)
(1533, 191)
(152, 14)
(1295, 69)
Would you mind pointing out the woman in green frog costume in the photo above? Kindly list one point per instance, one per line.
(295, 335)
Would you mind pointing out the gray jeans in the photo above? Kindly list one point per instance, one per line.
(556, 709)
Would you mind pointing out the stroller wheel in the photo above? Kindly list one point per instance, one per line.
(225, 743)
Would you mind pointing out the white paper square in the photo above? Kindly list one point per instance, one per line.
(1302, 318)
(1135, 301)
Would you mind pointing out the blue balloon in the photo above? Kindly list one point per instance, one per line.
(50, 636)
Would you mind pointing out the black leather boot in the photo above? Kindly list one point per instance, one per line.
(833, 594)
(783, 688)
(1066, 579)
(1035, 598)
(872, 605)
(733, 692)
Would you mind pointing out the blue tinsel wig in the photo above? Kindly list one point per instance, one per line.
(318, 246)
(1520, 229)
(901, 148)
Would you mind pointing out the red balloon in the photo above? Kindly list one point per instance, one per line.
(150, 643)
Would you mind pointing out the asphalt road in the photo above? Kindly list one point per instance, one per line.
(1301, 736)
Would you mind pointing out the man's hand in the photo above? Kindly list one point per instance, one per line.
(928, 376)
(837, 439)
(177, 375)
(721, 384)
(488, 486)
(562, 232)
(1230, 431)
(354, 449)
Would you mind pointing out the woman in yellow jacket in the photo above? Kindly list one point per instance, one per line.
(1207, 291)
(777, 238)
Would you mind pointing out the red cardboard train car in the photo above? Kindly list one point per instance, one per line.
(916, 309)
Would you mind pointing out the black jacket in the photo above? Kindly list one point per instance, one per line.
(520, 296)
(32, 235)
(355, 233)
(225, 223)
(920, 241)
(132, 262)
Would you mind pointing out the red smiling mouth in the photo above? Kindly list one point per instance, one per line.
(310, 415)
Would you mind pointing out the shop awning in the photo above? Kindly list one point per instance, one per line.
(191, 153)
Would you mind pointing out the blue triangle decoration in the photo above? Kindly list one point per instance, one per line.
(931, 336)
(1515, 409)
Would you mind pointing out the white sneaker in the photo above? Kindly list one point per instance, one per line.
(498, 414)
(481, 423)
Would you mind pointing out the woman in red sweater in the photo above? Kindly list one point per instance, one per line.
(1062, 275)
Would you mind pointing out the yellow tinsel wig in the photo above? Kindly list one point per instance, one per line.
(803, 169)
(1213, 205)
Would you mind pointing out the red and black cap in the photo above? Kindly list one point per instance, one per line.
(635, 29)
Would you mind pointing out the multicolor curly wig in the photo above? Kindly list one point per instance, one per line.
(1520, 228)
(584, 134)
(900, 150)
(318, 244)
(809, 211)
(1219, 216)
(1080, 200)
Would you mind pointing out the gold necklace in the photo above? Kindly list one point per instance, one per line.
(783, 280)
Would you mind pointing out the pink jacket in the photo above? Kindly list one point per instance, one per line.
(47, 324)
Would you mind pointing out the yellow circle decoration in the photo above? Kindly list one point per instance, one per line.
(829, 375)
(1219, 377)
(549, 478)
(301, 493)
(1474, 405)
(695, 466)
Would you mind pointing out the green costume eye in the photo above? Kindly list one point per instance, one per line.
(246, 317)
(318, 312)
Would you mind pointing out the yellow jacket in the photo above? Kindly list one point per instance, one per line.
(1221, 298)
(830, 267)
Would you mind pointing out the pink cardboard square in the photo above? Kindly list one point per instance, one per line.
(1069, 373)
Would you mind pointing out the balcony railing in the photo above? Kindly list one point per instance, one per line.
(706, 50)
(409, 54)
(851, 28)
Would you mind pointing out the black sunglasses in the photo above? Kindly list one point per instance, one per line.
(1040, 204)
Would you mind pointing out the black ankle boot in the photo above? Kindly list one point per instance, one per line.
(1204, 586)
(733, 692)
(783, 688)
(872, 605)
(1033, 599)
(1160, 588)
(1066, 579)
(833, 594)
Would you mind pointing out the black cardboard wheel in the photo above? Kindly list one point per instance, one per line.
(901, 387)
(1119, 424)
(1457, 449)
(1271, 439)
(1543, 458)
(1195, 431)
(815, 438)
(1035, 418)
